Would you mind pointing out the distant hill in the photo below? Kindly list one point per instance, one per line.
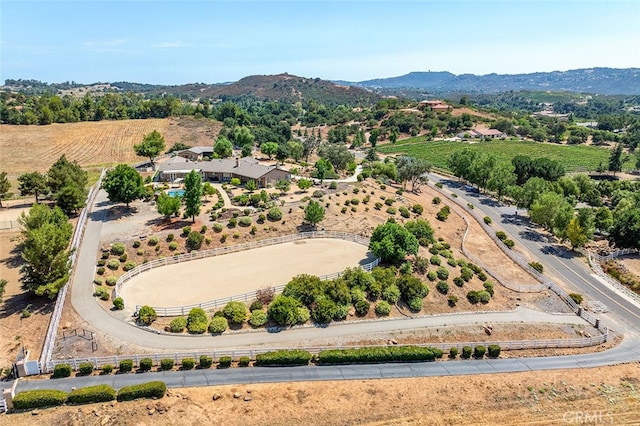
(606, 81)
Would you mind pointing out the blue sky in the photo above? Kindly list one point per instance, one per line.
(166, 42)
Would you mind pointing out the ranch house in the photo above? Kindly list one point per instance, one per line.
(223, 170)
(197, 153)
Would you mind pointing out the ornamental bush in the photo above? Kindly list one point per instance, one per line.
(188, 363)
(362, 307)
(479, 351)
(391, 293)
(576, 298)
(452, 300)
(383, 308)
(218, 325)
(379, 354)
(493, 351)
(147, 315)
(61, 370)
(244, 361)
(415, 304)
(274, 214)
(194, 240)
(125, 366)
(123, 257)
(113, 264)
(154, 389)
(224, 362)
(258, 318)
(39, 399)
(488, 286)
(205, 361)
(145, 364)
(173, 246)
(85, 369)
(166, 364)
(442, 273)
(92, 394)
(107, 369)
(100, 270)
(111, 280)
(466, 352)
(177, 325)
(245, 221)
(487, 220)
(118, 303)
(417, 209)
(102, 293)
(453, 352)
(435, 260)
(197, 321)
(129, 266)
(442, 287)
(458, 281)
(466, 273)
(235, 312)
(432, 276)
(153, 241)
(117, 249)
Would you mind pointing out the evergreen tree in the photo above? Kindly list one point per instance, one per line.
(192, 194)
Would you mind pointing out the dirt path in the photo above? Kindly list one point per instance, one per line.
(238, 273)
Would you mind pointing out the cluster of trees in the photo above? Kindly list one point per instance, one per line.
(65, 181)
(47, 233)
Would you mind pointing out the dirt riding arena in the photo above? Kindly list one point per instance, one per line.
(237, 273)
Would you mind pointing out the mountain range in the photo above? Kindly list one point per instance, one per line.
(606, 81)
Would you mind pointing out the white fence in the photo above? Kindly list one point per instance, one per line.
(595, 260)
(47, 347)
(245, 297)
(194, 255)
(3, 405)
(235, 354)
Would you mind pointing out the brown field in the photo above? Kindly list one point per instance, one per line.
(94, 143)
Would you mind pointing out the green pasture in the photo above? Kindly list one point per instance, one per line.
(573, 157)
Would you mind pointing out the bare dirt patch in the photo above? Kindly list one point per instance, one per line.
(540, 397)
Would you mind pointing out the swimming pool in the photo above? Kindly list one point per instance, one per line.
(176, 192)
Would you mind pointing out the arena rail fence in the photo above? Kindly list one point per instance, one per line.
(595, 261)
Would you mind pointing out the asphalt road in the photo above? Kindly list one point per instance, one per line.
(627, 351)
(623, 315)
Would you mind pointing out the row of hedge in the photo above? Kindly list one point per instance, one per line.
(101, 393)
(379, 354)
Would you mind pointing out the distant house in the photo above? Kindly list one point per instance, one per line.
(436, 106)
(223, 170)
(197, 153)
(481, 133)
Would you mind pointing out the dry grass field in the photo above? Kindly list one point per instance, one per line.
(93, 143)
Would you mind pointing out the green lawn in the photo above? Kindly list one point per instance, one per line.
(573, 157)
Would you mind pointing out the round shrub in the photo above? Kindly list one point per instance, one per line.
(466, 273)
(101, 262)
(487, 220)
(224, 362)
(140, 252)
(509, 243)
(118, 303)
(442, 287)
(188, 364)
(484, 296)
(537, 266)
(61, 370)
(129, 266)
(205, 361)
(194, 240)
(415, 304)
(452, 300)
(453, 352)
(107, 369)
(123, 257)
(391, 210)
(577, 298)
(391, 293)
(173, 246)
(256, 305)
(479, 351)
(235, 312)
(258, 318)
(145, 364)
(442, 273)
(217, 227)
(341, 312)
(111, 280)
(417, 209)
(244, 361)
(166, 364)
(177, 325)
(197, 321)
(435, 260)
(117, 249)
(466, 352)
(261, 218)
(125, 366)
(302, 315)
(147, 315)
(459, 281)
(98, 281)
(245, 221)
(274, 214)
(432, 276)
(218, 325)
(153, 241)
(383, 308)
(113, 264)
(169, 238)
(404, 212)
(100, 271)
(233, 222)
(493, 351)
(362, 307)
(488, 286)
(102, 293)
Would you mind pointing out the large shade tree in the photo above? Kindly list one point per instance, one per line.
(151, 146)
(123, 184)
(32, 183)
(392, 242)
